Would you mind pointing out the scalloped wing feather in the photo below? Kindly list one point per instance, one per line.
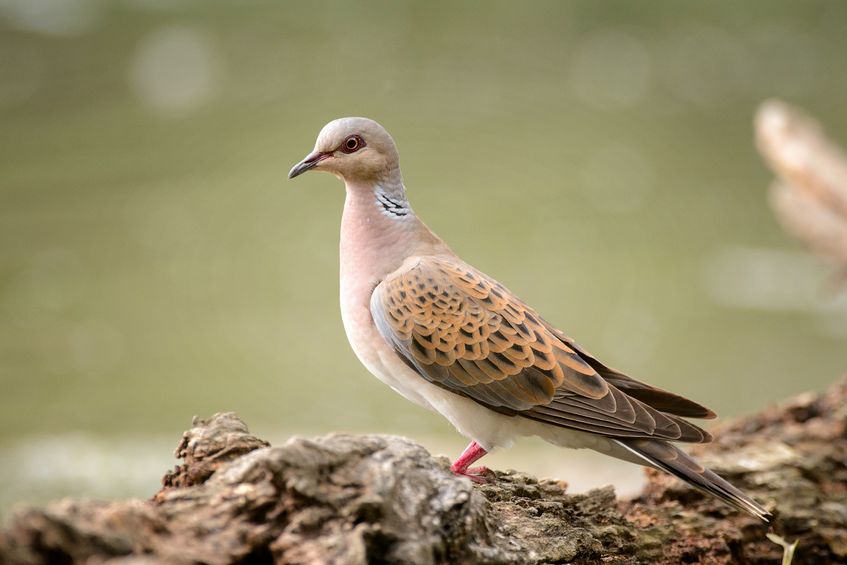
(467, 333)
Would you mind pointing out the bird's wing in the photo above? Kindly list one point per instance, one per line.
(467, 333)
(656, 397)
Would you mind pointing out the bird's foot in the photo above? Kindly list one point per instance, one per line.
(462, 466)
(476, 474)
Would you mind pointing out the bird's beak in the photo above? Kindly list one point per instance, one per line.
(309, 162)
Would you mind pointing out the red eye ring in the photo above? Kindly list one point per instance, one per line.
(352, 144)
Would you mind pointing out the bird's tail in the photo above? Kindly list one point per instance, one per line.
(669, 458)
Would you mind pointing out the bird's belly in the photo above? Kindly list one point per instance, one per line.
(375, 354)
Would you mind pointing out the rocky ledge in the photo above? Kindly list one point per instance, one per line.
(381, 499)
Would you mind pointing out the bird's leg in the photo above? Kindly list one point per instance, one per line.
(462, 465)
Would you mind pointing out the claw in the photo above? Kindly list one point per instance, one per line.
(476, 474)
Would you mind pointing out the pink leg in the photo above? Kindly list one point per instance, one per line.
(462, 465)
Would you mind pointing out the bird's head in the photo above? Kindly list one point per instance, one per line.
(353, 149)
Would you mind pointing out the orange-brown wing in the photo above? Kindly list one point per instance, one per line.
(467, 333)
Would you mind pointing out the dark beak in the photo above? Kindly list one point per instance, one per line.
(309, 162)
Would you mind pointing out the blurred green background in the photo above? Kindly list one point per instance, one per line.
(596, 158)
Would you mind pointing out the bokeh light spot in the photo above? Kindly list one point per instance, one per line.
(53, 17)
(175, 70)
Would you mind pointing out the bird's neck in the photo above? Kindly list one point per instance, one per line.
(379, 230)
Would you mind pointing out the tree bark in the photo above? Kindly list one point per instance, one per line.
(383, 499)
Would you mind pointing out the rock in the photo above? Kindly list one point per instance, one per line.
(382, 499)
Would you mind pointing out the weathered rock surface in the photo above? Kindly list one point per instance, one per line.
(383, 499)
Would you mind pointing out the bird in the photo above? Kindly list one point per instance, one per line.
(454, 340)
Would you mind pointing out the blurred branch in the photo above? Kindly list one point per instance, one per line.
(809, 194)
(380, 499)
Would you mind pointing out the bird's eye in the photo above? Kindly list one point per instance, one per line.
(352, 144)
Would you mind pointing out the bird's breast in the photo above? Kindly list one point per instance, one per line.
(376, 354)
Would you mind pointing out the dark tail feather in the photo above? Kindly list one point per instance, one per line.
(669, 458)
